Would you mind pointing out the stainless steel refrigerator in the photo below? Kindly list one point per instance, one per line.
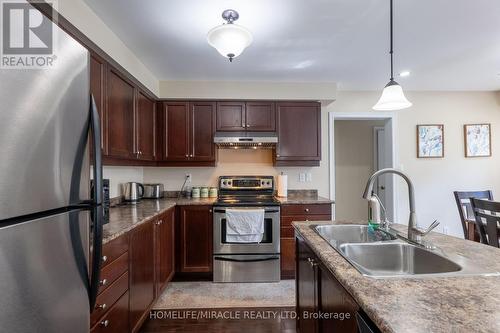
(49, 216)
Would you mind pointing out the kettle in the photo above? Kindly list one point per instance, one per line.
(133, 192)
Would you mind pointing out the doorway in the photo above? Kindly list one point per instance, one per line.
(359, 146)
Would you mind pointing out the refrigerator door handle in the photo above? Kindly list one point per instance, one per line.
(97, 210)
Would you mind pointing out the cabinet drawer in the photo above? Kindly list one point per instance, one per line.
(109, 297)
(313, 209)
(116, 320)
(114, 249)
(286, 221)
(113, 271)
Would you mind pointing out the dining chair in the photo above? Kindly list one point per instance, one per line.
(487, 215)
(464, 206)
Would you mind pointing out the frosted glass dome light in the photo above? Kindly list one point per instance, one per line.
(393, 98)
(229, 39)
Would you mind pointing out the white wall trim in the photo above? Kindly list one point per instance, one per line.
(332, 116)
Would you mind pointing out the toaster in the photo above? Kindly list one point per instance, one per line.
(153, 191)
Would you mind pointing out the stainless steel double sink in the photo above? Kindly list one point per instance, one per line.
(376, 253)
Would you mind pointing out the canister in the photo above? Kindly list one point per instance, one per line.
(204, 192)
(195, 192)
(213, 192)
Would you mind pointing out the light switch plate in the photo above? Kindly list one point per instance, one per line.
(309, 177)
(302, 177)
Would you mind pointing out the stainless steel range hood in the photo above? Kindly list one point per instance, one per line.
(246, 140)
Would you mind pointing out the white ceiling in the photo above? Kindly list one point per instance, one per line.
(446, 44)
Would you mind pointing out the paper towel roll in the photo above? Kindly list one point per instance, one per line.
(282, 185)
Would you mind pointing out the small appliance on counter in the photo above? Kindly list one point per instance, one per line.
(153, 191)
(133, 192)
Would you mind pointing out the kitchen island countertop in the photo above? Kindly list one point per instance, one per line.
(425, 304)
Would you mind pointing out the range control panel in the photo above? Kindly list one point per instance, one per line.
(246, 183)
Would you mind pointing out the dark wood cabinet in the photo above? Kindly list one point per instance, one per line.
(120, 116)
(195, 239)
(318, 291)
(188, 129)
(260, 116)
(246, 116)
(290, 213)
(141, 272)
(116, 319)
(98, 90)
(299, 134)
(164, 247)
(202, 119)
(145, 128)
(231, 116)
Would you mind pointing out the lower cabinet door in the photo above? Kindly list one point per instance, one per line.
(141, 272)
(287, 258)
(307, 288)
(164, 238)
(335, 300)
(116, 320)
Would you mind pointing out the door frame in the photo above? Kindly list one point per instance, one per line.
(391, 134)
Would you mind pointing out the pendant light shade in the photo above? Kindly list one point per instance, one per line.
(229, 39)
(392, 97)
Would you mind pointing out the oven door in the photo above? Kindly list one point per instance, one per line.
(270, 242)
(247, 268)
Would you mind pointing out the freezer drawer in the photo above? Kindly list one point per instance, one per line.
(246, 268)
(44, 275)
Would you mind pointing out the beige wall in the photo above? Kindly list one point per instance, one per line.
(82, 17)
(436, 179)
(119, 175)
(353, 166)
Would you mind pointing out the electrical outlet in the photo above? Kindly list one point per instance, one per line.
(446, 231)
(302, 177)
(188, 178)
(309, 177)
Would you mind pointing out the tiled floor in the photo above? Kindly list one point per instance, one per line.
(209, 295)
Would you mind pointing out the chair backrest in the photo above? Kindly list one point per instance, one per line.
(489, 212)
(464, 206)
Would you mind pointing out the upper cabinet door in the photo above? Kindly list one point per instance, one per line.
(231, 116)
(97, 89)
(299, 134)
(176, 131)
(260, 116)
(202, 119)
(145, 128)
(120, 116)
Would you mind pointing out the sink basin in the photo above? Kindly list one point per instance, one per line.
(396, 259)
(341, 233)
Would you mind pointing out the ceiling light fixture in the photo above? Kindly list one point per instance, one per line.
(392, 97)
(229, 39)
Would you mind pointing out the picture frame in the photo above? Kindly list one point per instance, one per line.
(477, 140)
(430, 141)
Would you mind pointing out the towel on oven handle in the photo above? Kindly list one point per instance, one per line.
(244, 225)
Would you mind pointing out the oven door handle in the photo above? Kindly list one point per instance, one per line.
(247, 260)
(223, 211)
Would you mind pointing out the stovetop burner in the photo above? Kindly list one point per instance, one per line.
(246, 191)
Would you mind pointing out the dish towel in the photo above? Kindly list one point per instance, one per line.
(244, 225)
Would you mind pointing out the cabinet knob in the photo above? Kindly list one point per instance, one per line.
(306, 210)
(187, 155)
(105, 323)
(209, 210)
(103, 282)
(312, 262)
(101, 306)
(191, 155)
(104, 259)
(277, 155)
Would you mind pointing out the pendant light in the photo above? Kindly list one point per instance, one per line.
(229, 39)
(392, 97)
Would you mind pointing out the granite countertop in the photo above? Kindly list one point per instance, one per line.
(303, 197)
(123, 218)
(420, 305)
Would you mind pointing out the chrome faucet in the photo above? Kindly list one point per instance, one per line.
(414, 233)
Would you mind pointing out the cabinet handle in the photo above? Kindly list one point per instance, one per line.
(191, 155)
(209, 210)
(104, 258)
(101, 306)
(247, 126)
(306, 210)
(159, 222)
(105, 323)
(187, 155)
(277, 155)
(312, 262)
(103, 282)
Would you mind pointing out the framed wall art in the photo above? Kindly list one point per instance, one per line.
(477, 140)
(430, 141)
